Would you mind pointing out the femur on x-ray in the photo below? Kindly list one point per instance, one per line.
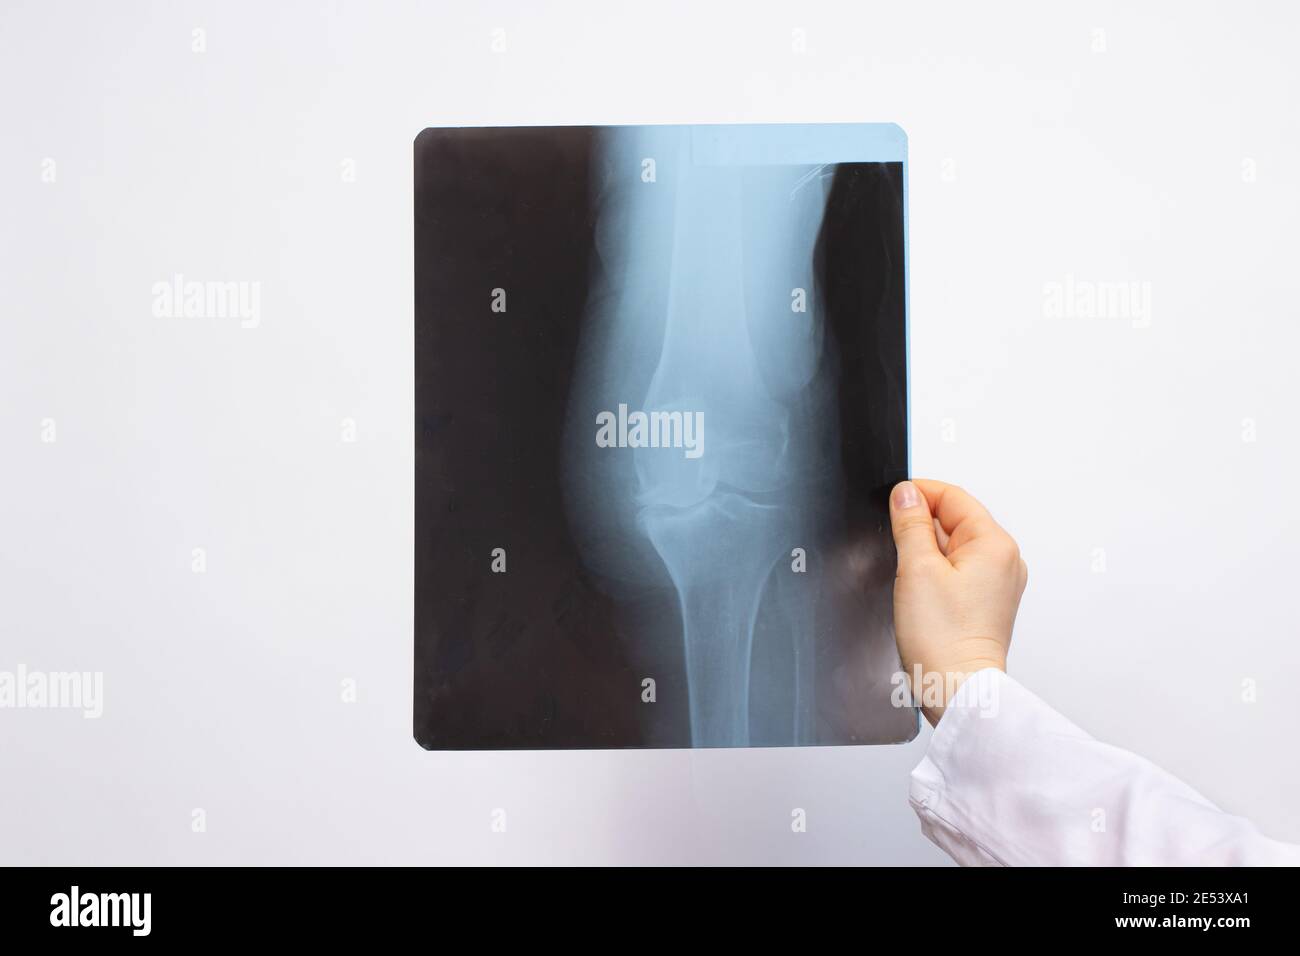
(660, 401)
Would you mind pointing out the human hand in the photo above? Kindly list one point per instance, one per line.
(960, 578)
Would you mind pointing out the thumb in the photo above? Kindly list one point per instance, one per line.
(909, 514)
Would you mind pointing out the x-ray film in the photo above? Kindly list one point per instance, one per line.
(660, 401)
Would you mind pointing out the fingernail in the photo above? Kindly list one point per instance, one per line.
(906, 495)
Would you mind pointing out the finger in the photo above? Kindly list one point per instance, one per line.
(962, 517)
(909, 516)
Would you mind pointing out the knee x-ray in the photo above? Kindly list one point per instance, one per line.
(661, 398)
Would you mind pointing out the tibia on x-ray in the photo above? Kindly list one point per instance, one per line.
(704, 305)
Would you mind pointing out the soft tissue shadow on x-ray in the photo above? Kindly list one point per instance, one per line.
(751, 581)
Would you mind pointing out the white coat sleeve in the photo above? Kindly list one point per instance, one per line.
(1008, 781)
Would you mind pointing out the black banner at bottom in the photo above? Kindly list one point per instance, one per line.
(95, 905)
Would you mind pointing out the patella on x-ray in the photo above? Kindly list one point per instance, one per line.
(661, 397)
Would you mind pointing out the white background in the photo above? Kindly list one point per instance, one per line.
(1033, 158)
